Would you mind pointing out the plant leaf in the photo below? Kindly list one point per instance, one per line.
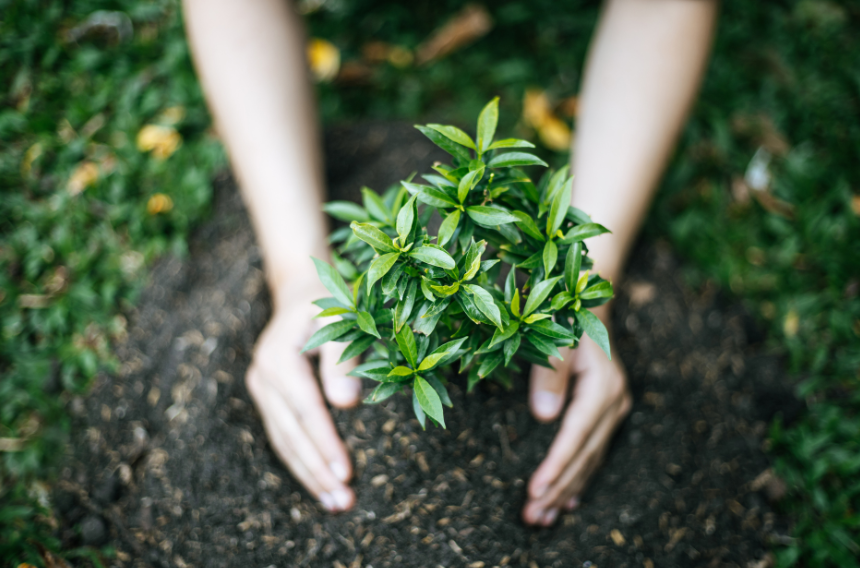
(449, 290)
(489, 364)
(544, 346)
(333, 311)
(551, 329)
(346, 211)
(527, 225)
(507, 333)
(380, 267)
(550, 256)
(447, 228)
(430, 195)
(382, 392)
(489, 216)
(333, 282)
(582, 282)
(375, 206)
(453, 133)
(440, 390)
(582, 232)
(599, 290)
(445, 143)
(515, 303)
(431, 360)
(484, 302)
(405, 218)
(572, 264)
(561, 300)
(595, 329)
(429, 399)
(487, 121)
(404, 307)
(539, 294)
(558, 210)
(510, 143)
(510, 283)
(511, 346)
(406, 342)
(401, 371)
(367, 325)
(373, 236)
(356, 348)
(327, 333)
(472, 260)
(468, 183)
(434, 257)
(510, 159)
(419, 412)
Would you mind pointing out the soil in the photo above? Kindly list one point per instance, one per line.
(170, 465)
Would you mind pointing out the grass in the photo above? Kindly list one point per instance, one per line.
(783, 76)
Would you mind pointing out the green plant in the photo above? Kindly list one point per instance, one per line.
(403, 282)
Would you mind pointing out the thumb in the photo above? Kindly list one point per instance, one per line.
(340, 390)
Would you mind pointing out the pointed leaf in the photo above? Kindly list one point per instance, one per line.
(346, 211)
(333, 311)
(406, 343)
(375, 206)
(472, 260)
(538, 294)
(380, 267)
(582, 282)
(429, 399)
(484, 302)
(405, 218)
(515, 303)
(544, 345)
(419, 412)
(453, 133)
(582, 232)
(515, 159)
(430, 195)
(489, 364)
(536, 317)
(595, 329)
(449, 290)
(445, 143)
(510, 283)
(551, 329)
(510, 143)
(527, 225)
(561, 300)
(367, 325)
(430, 361)
(550, 256)
(558, 210)
(404, 307)
(401, 371)
(433, 256)
(440, 390)
(487, 121)
(328, 333)
(447, 228)
(599, 290)
(382, 392)
(425, 289)
(356, 348)
(572, 264)
(510, 348)
(333, 282)
(381, 242)
(489, 216)
(508, 332)
(468, 183)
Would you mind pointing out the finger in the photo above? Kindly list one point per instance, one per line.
(549, 388)
(293, 445)
(341, 390)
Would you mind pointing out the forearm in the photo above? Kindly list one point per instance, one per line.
(642, 75)
(250, 59)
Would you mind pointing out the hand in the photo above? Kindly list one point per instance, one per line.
(600, 402)
(282, 383)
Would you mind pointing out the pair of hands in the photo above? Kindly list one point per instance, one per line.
(300, 429)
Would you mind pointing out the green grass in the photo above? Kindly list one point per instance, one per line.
(82, 257)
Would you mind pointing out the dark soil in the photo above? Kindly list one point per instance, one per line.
(170, 465)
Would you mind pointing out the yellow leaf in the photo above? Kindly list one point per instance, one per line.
(159, 203)
(555, 134)
(323, 59)
(791, 323)
(85, 175)
(161, 140)
(535, 108)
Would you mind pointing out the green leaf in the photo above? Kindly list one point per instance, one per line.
(327, 333)
(333, 311)
(453, 133)
(539, 294)
(382, 392)
(430, 361)
(561, 300)
(425, 289)
(449, 290)
(346, 211)
(510, 348)
(510, 283)
(434, 257)
(440, 390)
(595, 329)
(447, 228)
(401, 371)
(487, 121)
(450, 349)
(419, 412)
(536, 317)
(551, 329)
(489, 216)
(550, 256)
(406, 342)
(374, 370)
(556, 183)
(367, 325)
(515, 159)
(405, 218)
(558, 210)
(582, 282)
(515, 303)
(507, 333)
(375, 206)
(404, 307)
(527, 225)
(510, 143)
(333, 282)
(473, 380)
(543, 345)
(445, 143)
(356, 348)
(599, 290)
(380, 267)
(373, 236)
(430, 195)
(572, 264)
(489, 364)
(429, 399)
(468, 183)
(472, 260)
(582, 232)
(484, 302)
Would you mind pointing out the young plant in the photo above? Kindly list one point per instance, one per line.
(422, 304)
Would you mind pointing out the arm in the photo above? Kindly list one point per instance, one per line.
(250, 59)
(642, 74)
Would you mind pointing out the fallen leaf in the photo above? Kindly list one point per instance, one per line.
(535, 108)
(83, 176)
(159, 203)
(160, 139)
(471, 23)
(323, 59)
(791, 324)
(553, 132)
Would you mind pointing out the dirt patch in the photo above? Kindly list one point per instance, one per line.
(170, 464)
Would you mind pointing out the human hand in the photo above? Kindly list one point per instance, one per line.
(600, 402)
(282, 384)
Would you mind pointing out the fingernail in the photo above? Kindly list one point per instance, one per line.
(341, 497)
(573, 503)
(546, 403)
(339, 471)
(549, 516)
(327, 501)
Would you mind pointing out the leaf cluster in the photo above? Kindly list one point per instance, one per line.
(506, 278)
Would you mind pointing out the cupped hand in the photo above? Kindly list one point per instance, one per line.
(600, 402)
(283, 386)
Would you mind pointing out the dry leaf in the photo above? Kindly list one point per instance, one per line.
(83, 176)
(535, 108)
(159, 203)
(323, 59)
(355, 73)
(554, 133)
(471, 23)
(161, 140)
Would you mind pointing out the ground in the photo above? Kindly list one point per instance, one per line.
(170, 464)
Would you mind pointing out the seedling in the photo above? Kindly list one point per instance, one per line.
(418, 305)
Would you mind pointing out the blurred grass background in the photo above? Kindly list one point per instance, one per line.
(107, 157)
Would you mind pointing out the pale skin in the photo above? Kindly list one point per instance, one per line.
(643, 70)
